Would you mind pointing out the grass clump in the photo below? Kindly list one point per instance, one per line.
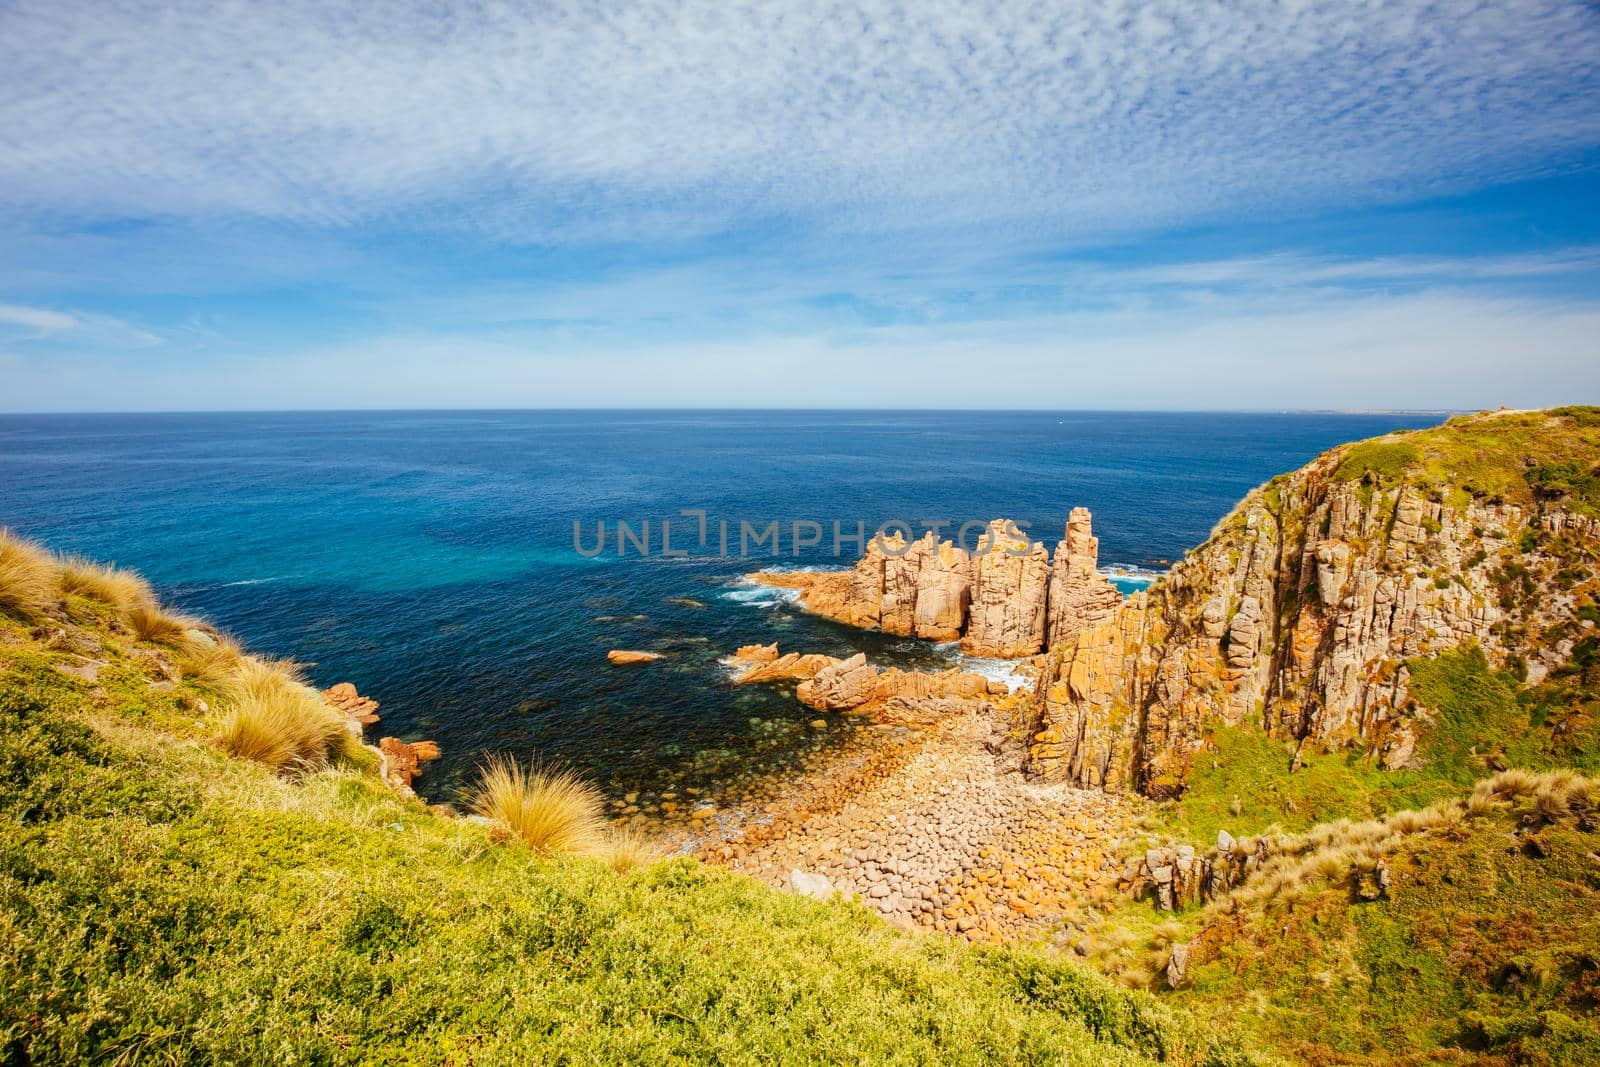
(30, 583)
(630, 849)
(278, 720)
(121, 590)
(552, 811)
(150, 623)
(212, 660)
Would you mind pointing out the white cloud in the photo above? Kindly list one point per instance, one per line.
(599, 121)
(1426, 350)
(21, 323)
(42, 320)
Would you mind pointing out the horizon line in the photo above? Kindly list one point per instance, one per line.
(578, 409)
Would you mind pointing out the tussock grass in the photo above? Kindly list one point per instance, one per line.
(278, 720)
(150, 623)
(30, 582)
(553, 810)
(1340, 849)
(1543, 798)
(122, 590)
(630, 849)
(213, 660)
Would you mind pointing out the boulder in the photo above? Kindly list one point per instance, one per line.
(810, 885)
(343, 696)
(1177, 965)
(843, 685)
(402, 762)
(787, 667)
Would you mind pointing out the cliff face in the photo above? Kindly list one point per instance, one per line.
(1299, 613)
(1005, 599)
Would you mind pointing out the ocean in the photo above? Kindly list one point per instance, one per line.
(429, 557)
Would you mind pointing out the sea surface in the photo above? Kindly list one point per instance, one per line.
(429, 557)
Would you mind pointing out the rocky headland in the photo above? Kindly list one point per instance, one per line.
(1298, 614)
(1002, 811)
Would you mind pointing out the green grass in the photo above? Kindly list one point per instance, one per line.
(1254, 768)
(1487, 947)
(1480, 953)
(1513, 457)
(1479, 718)
(1385, 460)
(160, 900)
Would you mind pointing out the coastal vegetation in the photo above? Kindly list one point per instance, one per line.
(1514, 457)
(551, 811)
(1336, 893)
(162, 898)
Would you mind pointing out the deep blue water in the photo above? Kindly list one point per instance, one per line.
(428, 556)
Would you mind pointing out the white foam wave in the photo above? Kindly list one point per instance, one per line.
(1130, 578)
(999, 670)
(762, 596)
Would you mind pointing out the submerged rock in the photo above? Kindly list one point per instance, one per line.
(625, 655)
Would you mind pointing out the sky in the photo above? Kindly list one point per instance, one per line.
(929, 204)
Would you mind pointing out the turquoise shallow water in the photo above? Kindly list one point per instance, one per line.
(428, 557)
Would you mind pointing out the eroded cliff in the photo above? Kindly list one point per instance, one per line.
(1299, 613)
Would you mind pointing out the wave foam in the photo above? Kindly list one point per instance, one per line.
(762, 596)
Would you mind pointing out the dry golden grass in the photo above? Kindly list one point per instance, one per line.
(1340, 849)
(30, 581)
(1547, 797)
(629, 849)
(122, 590)
(149, 623)
(278, 720)
(553, 811)
(211, 659)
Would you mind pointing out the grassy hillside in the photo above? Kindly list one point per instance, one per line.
(1483, 943)
(164, 900)
(1484, 720)
(1484, 948)
(1514, 457)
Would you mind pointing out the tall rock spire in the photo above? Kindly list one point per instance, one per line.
(1079, 594)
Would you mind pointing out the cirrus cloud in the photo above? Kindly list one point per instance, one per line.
(609, 121)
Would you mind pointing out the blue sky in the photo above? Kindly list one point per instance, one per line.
(1139, 205)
